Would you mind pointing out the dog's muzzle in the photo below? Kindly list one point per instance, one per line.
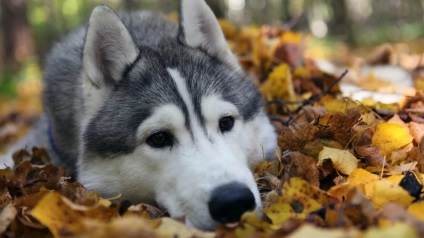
(228, 202)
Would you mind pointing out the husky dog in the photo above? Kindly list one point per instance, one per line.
(157, 112)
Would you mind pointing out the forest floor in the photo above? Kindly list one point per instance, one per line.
(350, 161)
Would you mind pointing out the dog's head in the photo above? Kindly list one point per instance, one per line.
(175, 123)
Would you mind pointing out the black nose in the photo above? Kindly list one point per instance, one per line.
(228, 202)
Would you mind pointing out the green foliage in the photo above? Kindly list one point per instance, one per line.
(9, 81)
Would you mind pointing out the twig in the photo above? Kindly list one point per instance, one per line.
(292, 22)
(316, 98)
(282, 105)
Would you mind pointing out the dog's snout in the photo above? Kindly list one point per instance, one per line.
(228, 202)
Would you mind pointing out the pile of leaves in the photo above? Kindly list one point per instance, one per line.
(343, 168)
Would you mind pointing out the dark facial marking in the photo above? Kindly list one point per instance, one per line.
(146, 86)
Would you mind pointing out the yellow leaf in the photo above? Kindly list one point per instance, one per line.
(279, 84)
(172, 228)
(368, 118)
(416, 209)
(299, 198)
(420, 177)
(343, 161)
(361, 176)
(228, 29)
(390, 137)
(291, 37)
(62, 216)
(333, 104)
(128, 226)
(309, 230)
(340, 191)
(251, 224)
(54, 213)
(279, 213)
(306, 188)
(384, 191)
(357, 179)
(393, 231)
(396, 178)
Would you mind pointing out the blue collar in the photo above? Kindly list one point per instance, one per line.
(52, 141)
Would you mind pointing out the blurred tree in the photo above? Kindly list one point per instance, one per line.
(17, 39)
(217, 8)
(340, 24)
(130, 4)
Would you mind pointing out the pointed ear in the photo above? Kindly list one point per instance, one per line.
(108, 50)
(199, 28)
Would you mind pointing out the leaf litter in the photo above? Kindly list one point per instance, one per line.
(344, 168)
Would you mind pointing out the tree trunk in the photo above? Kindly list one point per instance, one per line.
(17, 40)
(216, 7)
(340, 24)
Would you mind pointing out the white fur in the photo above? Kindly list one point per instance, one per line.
(201, 29)
(181, 178)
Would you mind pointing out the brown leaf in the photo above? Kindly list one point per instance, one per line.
(420, 155)
(398, 213)
(371, 155)
(341, 126)
(417, 131)
(303, 166)
(294, 137)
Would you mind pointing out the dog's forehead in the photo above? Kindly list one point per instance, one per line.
(148, 85)
(205, 75)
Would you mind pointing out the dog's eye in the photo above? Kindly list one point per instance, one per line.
(226, 123)
(160, 139)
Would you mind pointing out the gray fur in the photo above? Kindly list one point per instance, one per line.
(111, 85)
(112, 131)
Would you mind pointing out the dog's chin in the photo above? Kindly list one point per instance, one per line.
(205, 226)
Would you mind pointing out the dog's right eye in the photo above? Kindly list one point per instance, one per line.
(160, 139)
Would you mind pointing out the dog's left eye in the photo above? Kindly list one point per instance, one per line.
(160, 139)
(226, 123)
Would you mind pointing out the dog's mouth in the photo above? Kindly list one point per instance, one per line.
(226, 205)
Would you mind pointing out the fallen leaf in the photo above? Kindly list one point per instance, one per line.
(361, 176)
(309, 230)
(416, 209)
(302, 166)
(125, 227)
(390, 137)
(394, 231)
(299, 198)
(294, 137)
(63, 217)
(371, 155)
(7, 215)
(395, 213)
(343, 160)
(384, 191)
(417, 131)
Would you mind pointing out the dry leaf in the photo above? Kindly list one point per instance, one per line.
(343, 160)
(384, 191)
(390, 137)
(308, 230)
(7, 215)
(417, 131)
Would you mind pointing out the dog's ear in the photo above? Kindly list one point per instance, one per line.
(108, 50)
(199, 28)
